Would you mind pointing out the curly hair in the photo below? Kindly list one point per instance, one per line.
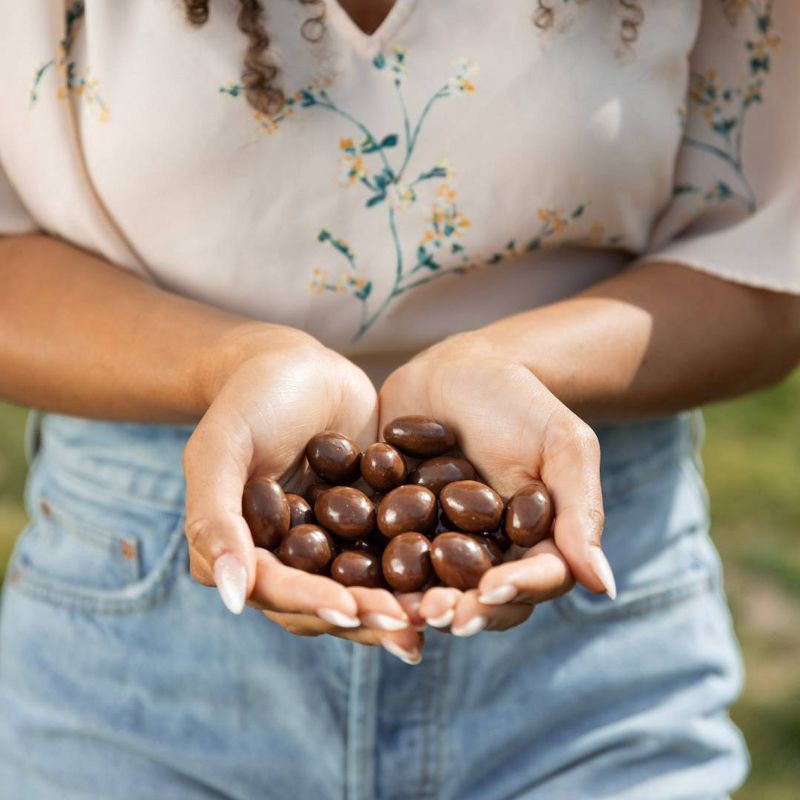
(260, 69)
(632, 16)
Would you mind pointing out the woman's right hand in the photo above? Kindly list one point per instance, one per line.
(270, 391)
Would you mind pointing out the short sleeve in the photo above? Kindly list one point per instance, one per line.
(14, 217)
(735, 210)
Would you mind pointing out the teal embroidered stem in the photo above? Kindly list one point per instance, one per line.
(40, 73)
(443, 92)
(331, 106)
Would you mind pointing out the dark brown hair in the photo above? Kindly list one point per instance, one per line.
(260, 69)
(631, 12)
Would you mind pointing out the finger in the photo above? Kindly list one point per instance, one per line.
(541, 574)
(379, 609)
(406, 645)
(472, 616)
(308, 625)
(571, 472)
(281, 588)
(438, 606)
(410, 603)
(215, 463)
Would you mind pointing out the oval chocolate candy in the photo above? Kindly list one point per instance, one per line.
(345, 511)
(407, 562)
(357, 568)
(419, 436)
(333, 456)
(407, 508)
(472, 506)
(266, 511)
(436, 473)
(383, 467)
(529, 516)
(307, 547)
(300, 510)
(460, 559)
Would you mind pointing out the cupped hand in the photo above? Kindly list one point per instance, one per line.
(514, 431)
(272, 389)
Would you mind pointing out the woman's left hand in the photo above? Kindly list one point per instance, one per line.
(514, 431)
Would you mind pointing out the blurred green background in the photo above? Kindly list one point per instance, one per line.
(752, 457)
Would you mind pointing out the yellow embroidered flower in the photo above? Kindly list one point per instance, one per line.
(401, 195)
(446, 192)
(346, 144)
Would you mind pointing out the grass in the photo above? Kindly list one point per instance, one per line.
(752, 458)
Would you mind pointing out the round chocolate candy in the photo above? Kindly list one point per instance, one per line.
(407, 508)
(333, 456)
(382, 467)
(300, 510)
(407, 562)
(472, 506)
(419, 436)
(345, 511)
(307, 547)
(460, 559)
(436, 473)
(529, 515)
(357, 568)
(315, 490)
(266, 511)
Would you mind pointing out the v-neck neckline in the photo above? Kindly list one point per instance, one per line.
(370, 44)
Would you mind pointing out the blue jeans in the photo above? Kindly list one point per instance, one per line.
(120, 677)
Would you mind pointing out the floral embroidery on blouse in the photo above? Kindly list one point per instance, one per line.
(84, 86)
(381, 167)
(725, 108)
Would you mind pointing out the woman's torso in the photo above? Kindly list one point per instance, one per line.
(417, 183)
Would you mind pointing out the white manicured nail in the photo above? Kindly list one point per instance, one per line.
(231, 579)
(602, 569)
(384, 622)
(410, 657)
(443, 620)
(338, 618)
(471, 627)
(498, 596)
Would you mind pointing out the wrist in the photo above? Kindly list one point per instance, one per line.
(240, 343)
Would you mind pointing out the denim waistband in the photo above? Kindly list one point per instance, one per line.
(144, 461)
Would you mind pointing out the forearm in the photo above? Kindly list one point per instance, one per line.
(81, 336)
(654, 340)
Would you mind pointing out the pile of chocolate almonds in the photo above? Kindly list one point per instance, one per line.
(407, 512)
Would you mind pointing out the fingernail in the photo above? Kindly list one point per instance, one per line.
(410, 657)
(231, 579)
(602, 569)
(471, 627)
(443, 620)
(420, 628)
(338, 618)
(384, 622)
(498, 596)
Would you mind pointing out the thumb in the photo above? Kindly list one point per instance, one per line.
(571, 472)
(221, 550)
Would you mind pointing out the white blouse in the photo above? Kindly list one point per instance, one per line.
(459, 165)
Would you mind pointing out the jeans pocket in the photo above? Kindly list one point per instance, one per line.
(91, 553)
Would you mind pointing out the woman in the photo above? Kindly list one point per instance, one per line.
(555, 226)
